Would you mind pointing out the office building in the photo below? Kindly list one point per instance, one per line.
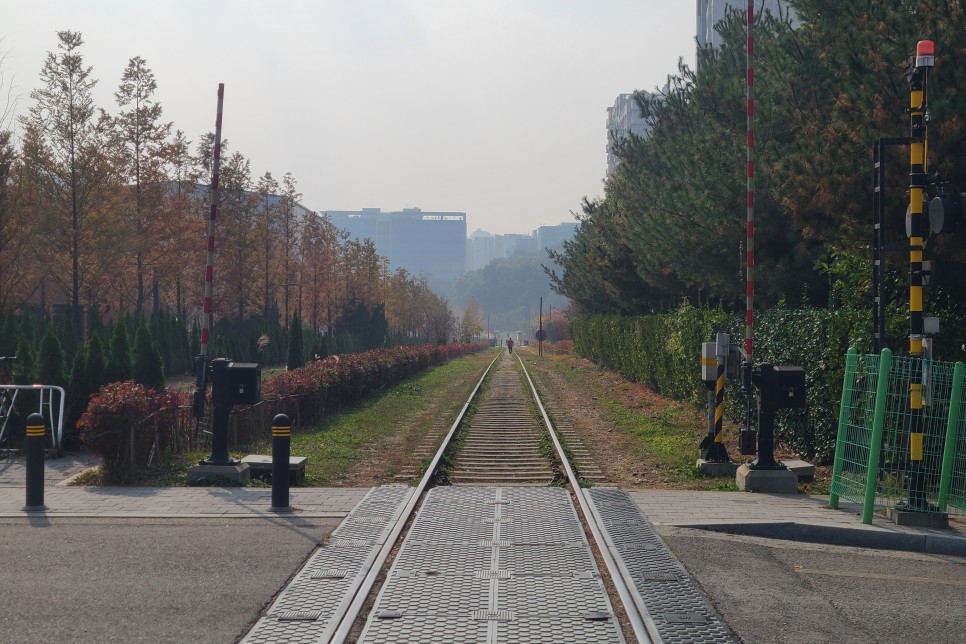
(423, 243)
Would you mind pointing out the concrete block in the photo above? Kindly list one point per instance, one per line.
(919, 519)
(708, 468)
(261, 467)
(767, 481)
(804, 471)
(237, 474)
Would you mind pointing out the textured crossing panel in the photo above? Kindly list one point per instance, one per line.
(305, 607)
(490, 565)
(679, 610)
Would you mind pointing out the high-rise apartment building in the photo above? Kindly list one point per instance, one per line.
(711, 11)
(423, 243)
(623, 119)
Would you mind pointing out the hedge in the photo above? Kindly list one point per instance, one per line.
(663, 351)
(129, 426)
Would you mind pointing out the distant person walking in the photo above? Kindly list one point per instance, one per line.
(509, 344)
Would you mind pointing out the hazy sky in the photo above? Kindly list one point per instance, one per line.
(492, 107)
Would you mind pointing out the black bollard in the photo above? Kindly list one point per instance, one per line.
(281, 448)
(35, 462)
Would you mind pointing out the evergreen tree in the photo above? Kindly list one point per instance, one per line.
(50, 365)
(69, 337)
(8, 339)
(79, 388)
(119, 362)
(94, 323)
(95, 368)
(148, 368)
(27, 330)
(195, 347)
(295, 355)
(23, 369)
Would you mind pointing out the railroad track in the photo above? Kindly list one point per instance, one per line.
(497, 555)
(504, 444)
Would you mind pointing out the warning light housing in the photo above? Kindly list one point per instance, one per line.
(925, 54)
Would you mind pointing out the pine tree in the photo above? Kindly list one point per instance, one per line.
(79, 389)
(50, 367)
(148, 368)
(95, 368)
(27, 330)
(295, 356)
(23, 369)
(119, 362)
(8, 339)
(69, 337)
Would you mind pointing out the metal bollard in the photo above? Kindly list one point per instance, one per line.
(281, 448)
(35, 462)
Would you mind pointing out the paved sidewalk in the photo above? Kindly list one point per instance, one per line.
(794, 517)
(157, 503)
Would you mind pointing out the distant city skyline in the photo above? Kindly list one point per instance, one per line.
(436, 243)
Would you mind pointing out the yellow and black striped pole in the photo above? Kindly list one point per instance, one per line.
(709, 375)
(281, 448)
(714, 359)
(717, 452)
(918, 148)
(36, 432)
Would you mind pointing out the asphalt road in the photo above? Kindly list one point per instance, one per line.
(136, 580)
(773, 591)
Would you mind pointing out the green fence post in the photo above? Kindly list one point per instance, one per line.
(875, 445)
(848, 382)
(952, 436)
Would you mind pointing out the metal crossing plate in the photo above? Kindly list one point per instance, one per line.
(677, 607)
(304, 608)
(530, 577)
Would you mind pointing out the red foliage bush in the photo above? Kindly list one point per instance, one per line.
(113, 426)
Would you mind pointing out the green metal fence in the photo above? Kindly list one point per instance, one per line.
(873, 463)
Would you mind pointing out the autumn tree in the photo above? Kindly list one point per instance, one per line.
(319, 244)
(267, 217)
(236, 239)
(471, 324)
(290, 229)
(64, 157)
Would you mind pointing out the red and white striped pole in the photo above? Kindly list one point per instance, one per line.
(215, 201)
(750, 246)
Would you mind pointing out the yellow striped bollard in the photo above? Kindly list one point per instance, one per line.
(36, 430)
(281, 448)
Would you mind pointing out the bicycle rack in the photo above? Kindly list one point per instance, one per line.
(8, 399)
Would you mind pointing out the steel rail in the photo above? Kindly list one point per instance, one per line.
(641, 622)
(343, 625)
